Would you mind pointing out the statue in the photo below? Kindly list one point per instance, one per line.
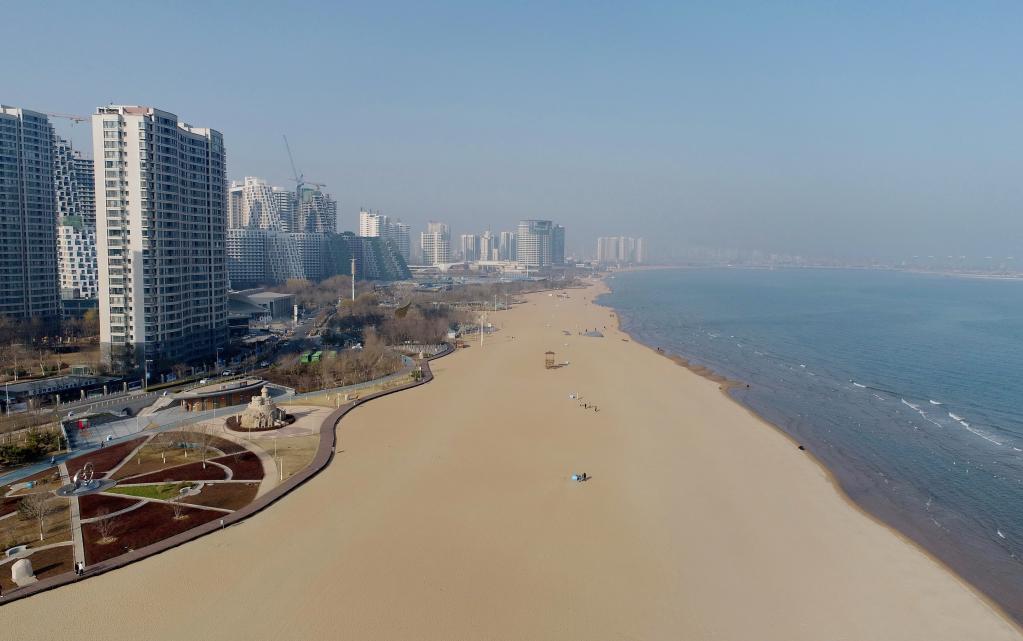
(262, 413)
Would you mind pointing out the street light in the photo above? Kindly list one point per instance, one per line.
(216, 365)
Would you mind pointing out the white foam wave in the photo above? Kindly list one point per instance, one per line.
(934, 402)
(859, 384)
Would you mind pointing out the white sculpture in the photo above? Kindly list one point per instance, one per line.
(262, 413)
(21, 573)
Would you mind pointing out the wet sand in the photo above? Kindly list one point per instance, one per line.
(449, 514)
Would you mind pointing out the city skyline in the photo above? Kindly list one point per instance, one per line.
(785, 136)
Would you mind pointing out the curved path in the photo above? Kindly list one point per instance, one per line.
(324, 455)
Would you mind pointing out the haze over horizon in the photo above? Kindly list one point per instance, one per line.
(846, 130)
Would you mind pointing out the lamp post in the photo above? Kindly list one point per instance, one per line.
(216, 364)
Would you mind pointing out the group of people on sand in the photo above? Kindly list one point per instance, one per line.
(588, 406)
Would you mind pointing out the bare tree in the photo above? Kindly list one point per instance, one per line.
(105, 526)
(205, 443)
(178, 508)
(36, 506)
(180, 369)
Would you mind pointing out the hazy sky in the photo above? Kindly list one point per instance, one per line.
(855, 128)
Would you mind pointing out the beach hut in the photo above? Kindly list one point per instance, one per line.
(549, 359)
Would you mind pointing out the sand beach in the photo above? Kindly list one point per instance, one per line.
(449, 513)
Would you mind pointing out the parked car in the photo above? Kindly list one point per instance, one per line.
(203, 381)
(226, 372)
(265, 364)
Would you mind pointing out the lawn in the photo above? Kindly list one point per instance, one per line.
(163, 491)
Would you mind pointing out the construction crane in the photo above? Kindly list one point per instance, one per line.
(70, 117)
(299, 179)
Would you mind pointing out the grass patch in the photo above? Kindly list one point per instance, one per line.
(162, 491)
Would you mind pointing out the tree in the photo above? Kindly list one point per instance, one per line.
(178, 508)
(180, 370)
(205, 443)
(105, 527)
(90, 322)
(38, 507)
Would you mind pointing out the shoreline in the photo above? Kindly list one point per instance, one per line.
(727, 385)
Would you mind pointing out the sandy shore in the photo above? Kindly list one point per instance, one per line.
(449, 514)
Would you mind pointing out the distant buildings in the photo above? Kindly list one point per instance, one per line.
(487, 247)
(317, 211)
(535, 243)
(28, 230)
(558, 245)
(435, 244)
(161, 219)
(506, 246)
(75, 200)
(376, 225)
(468, 249)
(621, 250)
(253, 203)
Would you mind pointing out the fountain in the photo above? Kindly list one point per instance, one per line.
(83, 483)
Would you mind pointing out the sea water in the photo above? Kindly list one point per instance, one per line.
(908, 387)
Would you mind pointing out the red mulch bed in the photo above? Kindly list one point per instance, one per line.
(9, 505)
(150, 523)
(246, 466)
(190, 472)
(44, 564)
(230, 496)
(90, 506)
(105, 458)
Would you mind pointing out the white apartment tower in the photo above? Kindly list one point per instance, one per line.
(253, 203)
(435, 244)
(161, 218)
(535, 243)
(376, 225)
(372, 224)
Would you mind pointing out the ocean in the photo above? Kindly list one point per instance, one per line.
(908, 387)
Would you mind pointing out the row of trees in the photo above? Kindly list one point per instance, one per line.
(37, 330)
(348, 367)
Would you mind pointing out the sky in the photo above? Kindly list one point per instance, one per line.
(845, 129)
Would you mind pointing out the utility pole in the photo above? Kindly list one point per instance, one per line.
(353, 280)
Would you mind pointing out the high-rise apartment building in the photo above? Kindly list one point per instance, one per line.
(435, 244)
(506, 246)
(487, 247)
(315, 212)
(467, 247)
(29, 284)
(253, 203)
(535, 243)
(376, 225)
(558, 245)
(621, 250)
(75, 199)
(372, 224)
(400, 234)
(161, 219)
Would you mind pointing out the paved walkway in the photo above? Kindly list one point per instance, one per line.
(76, 520)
